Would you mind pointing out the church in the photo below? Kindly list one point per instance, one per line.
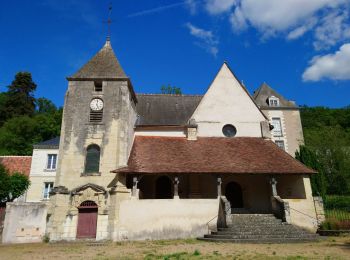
(163, 166)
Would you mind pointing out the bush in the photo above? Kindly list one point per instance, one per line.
(337, 202)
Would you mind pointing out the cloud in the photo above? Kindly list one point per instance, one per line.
(218, 6)
(206, 39)
(331, 66)
(157, 9)
(192, 5)
(333, 28)
(328, 20)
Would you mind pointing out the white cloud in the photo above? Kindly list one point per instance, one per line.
(218, 6)
(301, 30)
(192, 5)
(333, 28)
(331, 66)
(327, 19)
(207, 40)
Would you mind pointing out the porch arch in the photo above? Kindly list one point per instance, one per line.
(163, 188)
(233, 193)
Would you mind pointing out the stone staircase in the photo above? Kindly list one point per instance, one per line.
(259, 228)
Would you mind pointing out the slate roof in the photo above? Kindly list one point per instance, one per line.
(262, 94)
(49, 144)
(239, 155)
(164, 109)
(104, 65)
(19, 164)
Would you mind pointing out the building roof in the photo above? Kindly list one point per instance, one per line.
(104, 65)
(239, 155)
(262, 94)
(19, 164)
(165, 109)
(49, 144)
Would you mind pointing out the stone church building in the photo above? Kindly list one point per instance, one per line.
(157, 166)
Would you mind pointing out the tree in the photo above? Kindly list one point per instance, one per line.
(170, 90)
(45, 106)
(12, 186)
(309, 158)
(20, 96)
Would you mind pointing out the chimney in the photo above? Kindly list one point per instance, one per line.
(192, 130)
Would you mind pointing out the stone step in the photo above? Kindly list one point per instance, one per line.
(259, 241)
(260, 236)
(259, 232)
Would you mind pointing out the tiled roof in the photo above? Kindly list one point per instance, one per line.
(104, 65)
(164, 109)
(52, 143)
(19, 164)
(246, 155)
(262, 94)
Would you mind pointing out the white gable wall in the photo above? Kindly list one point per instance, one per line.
(226, 102)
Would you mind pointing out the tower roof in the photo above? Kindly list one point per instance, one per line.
(104, 65)
(262, 94)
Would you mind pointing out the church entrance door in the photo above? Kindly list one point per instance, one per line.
(87, 220)
(163, 188)
(233, 193)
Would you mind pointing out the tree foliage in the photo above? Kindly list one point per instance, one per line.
(170, 90)
(25, 120)
(327, 148)
(12, 186)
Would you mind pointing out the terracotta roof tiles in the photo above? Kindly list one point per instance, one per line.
(19, 164)
(241, 155)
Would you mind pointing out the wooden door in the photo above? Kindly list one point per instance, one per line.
(87, 221)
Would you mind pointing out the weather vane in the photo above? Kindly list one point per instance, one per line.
(109, 21)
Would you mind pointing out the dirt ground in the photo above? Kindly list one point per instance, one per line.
(331, 248)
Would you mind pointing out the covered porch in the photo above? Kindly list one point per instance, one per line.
(181, 188)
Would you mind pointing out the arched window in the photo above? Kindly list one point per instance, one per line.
(92, 161)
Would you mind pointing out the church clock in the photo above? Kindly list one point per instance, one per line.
(96, 104)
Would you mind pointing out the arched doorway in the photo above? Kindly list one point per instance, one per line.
(164, 188)
(87, 220)
(233, 193)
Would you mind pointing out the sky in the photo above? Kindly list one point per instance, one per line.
(300, 48)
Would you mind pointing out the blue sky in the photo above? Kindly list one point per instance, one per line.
(300, 48)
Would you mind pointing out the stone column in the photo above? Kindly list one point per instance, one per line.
(219, 182)
(176, 187)
(134, 186)
(273, 183)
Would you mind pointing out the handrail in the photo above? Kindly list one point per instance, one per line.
(225, 211)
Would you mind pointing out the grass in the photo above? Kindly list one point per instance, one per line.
(333, 248)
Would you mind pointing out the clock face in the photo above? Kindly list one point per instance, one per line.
(96, 104)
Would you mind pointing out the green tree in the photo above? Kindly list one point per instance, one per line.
(310, 159)
(12, 186)
(45, 106)
(170, 90)
(20, 96)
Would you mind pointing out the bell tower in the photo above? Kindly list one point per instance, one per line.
(96, 137)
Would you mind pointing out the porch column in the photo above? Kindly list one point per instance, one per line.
(134, 186)
(176, 187)
(219, 182)
(273, 183)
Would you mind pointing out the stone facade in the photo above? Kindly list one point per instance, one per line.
(126, 211)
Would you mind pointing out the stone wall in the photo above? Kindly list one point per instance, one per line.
(166, 218)
(24, 222)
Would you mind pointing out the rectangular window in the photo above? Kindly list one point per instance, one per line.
(98, 86)
(51, 161)
(277, 127)
(280, 144)
(47, 188)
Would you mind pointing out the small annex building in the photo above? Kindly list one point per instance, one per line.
(131, 166)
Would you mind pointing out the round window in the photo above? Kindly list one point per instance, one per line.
(229, 130)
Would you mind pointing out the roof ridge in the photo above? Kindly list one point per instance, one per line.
(175, 95)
